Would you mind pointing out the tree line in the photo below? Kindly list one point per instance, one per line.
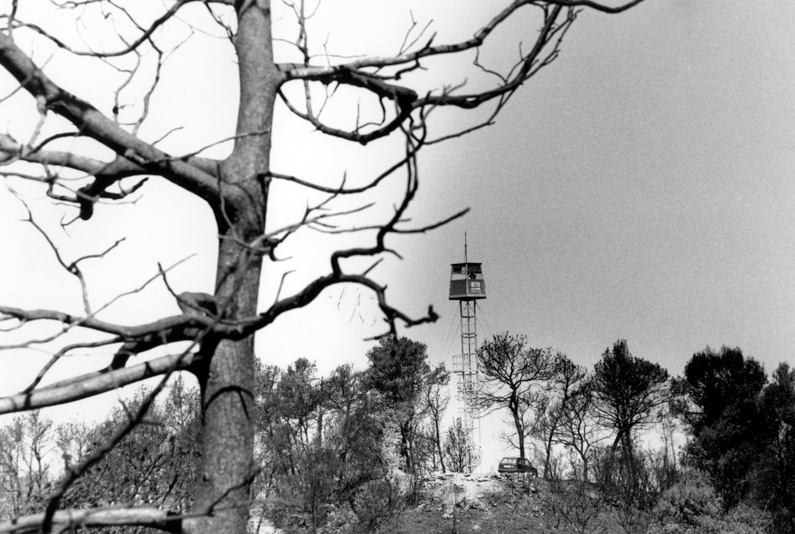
(350, 447)
(614, 429)
(354, 446)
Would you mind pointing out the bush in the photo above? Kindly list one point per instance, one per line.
(691, 506)
(339, 520)
(576, 504)
(376, 503)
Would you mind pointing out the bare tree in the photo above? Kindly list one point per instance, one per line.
(457, 448)
(436, 400)
(579, 429)
(26, 451)
(629, 394)
(566, 380)
(514, 377)
(86, 157)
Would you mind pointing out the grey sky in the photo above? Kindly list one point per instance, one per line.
(640, 187)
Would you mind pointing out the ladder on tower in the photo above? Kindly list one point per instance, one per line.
(467, 286)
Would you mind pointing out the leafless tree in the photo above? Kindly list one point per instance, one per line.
(579, 429)
(86, 157)
(458, 448)
(26, 454)
(567, 378)
(436, 400)
(515, 376)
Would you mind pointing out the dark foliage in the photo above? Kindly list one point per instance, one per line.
(628, 394)
(717, 381)
(774, 474)
(400, 374)
(726, 425)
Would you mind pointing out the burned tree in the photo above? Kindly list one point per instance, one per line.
(88, 74)
(628, 395)
(514, 376)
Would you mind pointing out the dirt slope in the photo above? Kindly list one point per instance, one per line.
(464, 504)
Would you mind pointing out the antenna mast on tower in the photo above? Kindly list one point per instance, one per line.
(466, 286)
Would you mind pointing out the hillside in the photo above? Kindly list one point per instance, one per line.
(478, 503)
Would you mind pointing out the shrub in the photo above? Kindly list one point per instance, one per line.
(692, 506)
(376, 503)
(576, 504)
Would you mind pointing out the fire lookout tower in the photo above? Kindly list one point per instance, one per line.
(467, 286)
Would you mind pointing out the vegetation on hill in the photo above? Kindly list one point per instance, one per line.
(359, 451)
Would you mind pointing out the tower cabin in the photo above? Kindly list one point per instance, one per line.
(466, 282)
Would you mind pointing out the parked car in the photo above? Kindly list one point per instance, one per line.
(516, 465)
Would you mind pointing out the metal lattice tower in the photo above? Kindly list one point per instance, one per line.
(467, 286)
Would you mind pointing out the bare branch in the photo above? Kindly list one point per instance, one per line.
(358, 72)
(360, 138)
(168, 324)
(92, 123)
(154, 330)
(100, 517)
(61, 353)
(95, 383)
(595, 5)
(72, 268)
(432, 226)
(311, 291)
(412, 182)
(145, 36)
(522, 71)
(281, 283)
(303, 72)
(341, 190)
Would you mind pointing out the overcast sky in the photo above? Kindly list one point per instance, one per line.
(640, 187)
(643, 188)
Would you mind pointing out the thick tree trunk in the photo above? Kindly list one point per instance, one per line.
(548, 453)
(227, 381)
(520, 434)
(227, 410)
(406, 446)
(585, 468)
(518, 424)
(438, 438)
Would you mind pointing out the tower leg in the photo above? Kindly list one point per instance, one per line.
(468, 379)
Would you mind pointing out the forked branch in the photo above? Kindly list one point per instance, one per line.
(380, 75)
(414, 141)
(72, 520)
(94, 383)
(91, 123)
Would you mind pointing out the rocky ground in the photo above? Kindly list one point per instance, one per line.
(467, 504)
(463, 504)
